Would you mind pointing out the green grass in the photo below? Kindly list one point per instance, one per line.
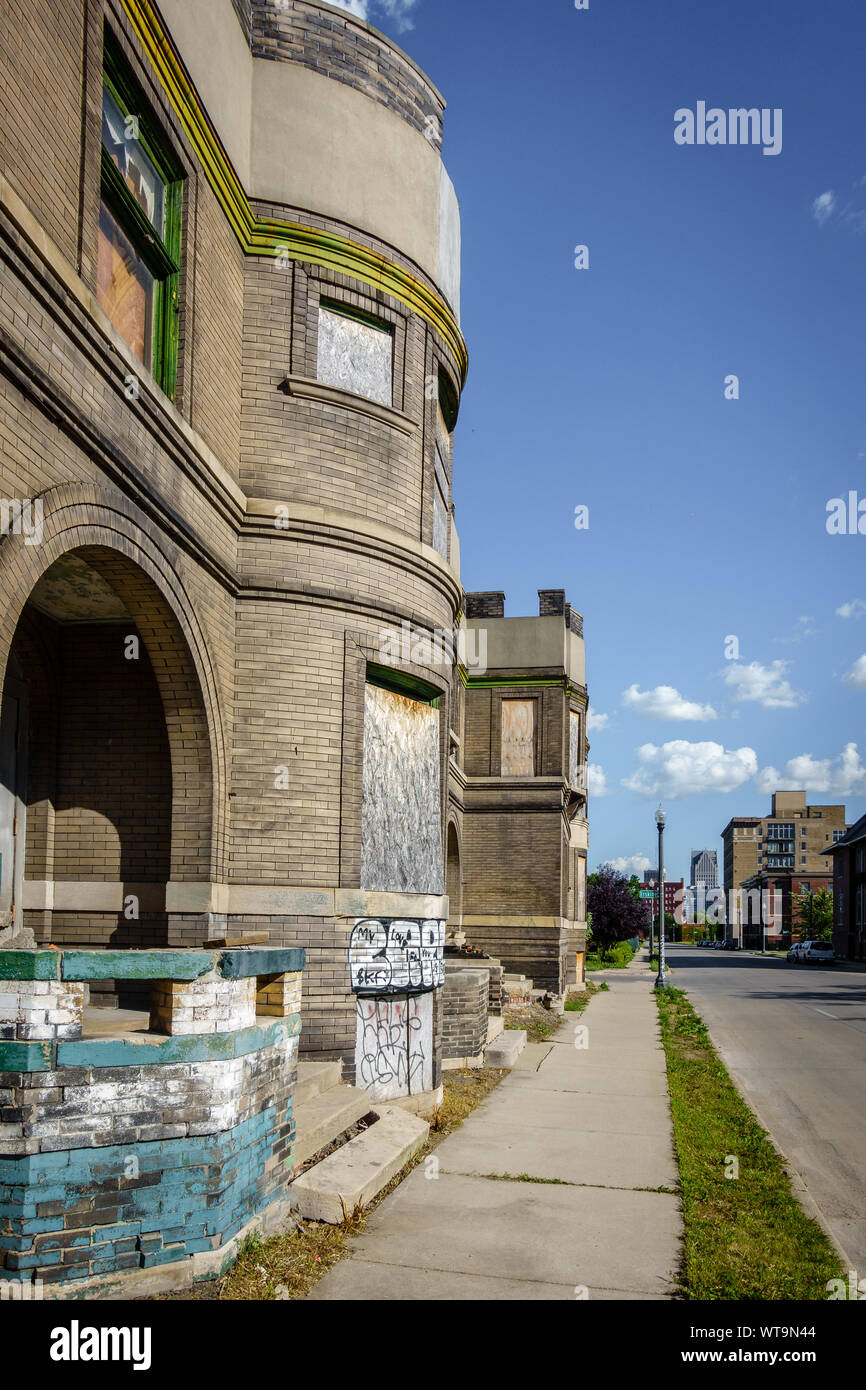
(617, 958)
(577, 1000)
(745, 1237)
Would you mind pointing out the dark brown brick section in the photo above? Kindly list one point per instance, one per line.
(464, 1013)
(243, 10)
(334, 44)
(486, 605)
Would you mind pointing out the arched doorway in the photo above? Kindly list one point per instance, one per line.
(454, 881)
(13, 804)
(118, 784)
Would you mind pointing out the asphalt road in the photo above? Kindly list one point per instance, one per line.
(793, 1037)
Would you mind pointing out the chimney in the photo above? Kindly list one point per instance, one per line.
(488, 605)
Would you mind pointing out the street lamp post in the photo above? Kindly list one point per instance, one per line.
(661, 817)
(652, 927)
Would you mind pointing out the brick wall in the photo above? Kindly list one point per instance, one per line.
(327, 41)
(41, 109)
(464, 1013)
(246, 628)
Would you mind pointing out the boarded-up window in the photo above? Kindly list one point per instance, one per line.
(518, 738)
(575, 769)
(441, 524)
(401, 814)
(355, 356)
(581, 889)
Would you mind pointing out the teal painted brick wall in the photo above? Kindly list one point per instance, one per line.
(85, 1212)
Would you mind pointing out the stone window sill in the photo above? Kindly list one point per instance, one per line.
(304, 388)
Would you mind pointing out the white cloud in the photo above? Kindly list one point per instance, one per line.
(766, 684)
(633, 864)
(400, 11)
(665, 703)
(596, 781)
(680, 768)
(842, 776)
(856, 677)
(823, 207)
(855, 609)
(594, 720)
(803, 628)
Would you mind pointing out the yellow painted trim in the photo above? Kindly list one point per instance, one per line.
(271, 236)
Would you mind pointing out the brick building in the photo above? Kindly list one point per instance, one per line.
(518, 792)
(790, 847)
(673, 892)
(230, 370)
(849, 892)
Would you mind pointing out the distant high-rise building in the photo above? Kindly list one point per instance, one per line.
(780, 854)
(704, 868)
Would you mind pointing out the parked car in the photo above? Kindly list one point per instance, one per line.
(820, 952)
(730, 945)
(794, 950)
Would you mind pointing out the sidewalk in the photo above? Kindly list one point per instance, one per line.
(593, 1127)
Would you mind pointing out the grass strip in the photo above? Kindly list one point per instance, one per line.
(746, 1236)
(578, 999)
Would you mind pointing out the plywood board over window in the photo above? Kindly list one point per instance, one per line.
(575, 770)
(356, 356)
(519, 737)
(401, 816)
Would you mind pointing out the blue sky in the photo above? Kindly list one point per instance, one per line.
(605, 387)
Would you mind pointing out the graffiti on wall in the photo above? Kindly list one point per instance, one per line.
(394, 1046)
(395, 955)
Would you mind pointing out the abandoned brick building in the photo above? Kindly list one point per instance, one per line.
(231, 367)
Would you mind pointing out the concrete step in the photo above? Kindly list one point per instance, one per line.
(495, 1026)
(320, 1120)
(506, 1049)
(316, 1077)
(356, 1173)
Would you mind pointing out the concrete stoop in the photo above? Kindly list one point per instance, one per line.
(495, 1026)
(504, 1051)
(324, 1108)
(355, 1174)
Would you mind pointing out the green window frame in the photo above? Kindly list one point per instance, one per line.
(402, 683)
(161, 254)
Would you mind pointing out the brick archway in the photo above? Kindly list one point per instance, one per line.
(146, 574)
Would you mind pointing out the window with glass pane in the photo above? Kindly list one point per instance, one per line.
(139, 225)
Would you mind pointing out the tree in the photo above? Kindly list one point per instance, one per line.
(813, 914)
(616, 915)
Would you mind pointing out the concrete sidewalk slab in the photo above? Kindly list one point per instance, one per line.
(576, 1111)
(592, 1127)
(593, 1158)
(388, 1284)
(535, 1232)
(598, 1080)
